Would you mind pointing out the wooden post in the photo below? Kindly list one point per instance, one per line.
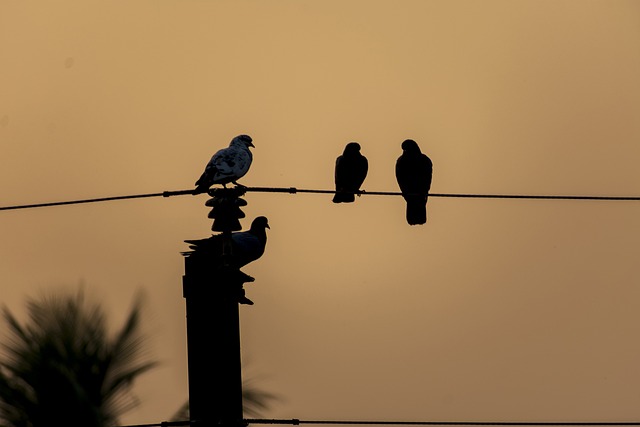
(213, 288)
(213, 342)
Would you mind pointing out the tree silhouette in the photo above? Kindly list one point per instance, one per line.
(62, 368)
(254, 401)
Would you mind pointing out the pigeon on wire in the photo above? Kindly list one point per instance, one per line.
(414, 171)
(227, 165)
(245, 247)
(350, 171)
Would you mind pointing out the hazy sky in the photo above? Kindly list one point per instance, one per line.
(495, 310)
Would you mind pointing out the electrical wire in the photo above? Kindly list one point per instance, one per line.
(295, 421)
(293, 190)
(443, 423)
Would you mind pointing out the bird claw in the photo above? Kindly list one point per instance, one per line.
(241, 189)
(244, 277)
(244, 300)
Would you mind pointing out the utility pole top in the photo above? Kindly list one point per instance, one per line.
(213, 289)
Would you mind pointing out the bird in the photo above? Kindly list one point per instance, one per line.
(350, 171)
(242, 248)
(414, 172)
(227, 165)
(245, 247)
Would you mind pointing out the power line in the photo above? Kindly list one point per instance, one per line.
(162, 424)
(293, 190)
(101, 199)
(295, 421)
(438, 423)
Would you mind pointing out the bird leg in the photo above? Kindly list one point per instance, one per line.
(242, 299)
(240, 187)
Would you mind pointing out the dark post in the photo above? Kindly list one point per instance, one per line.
(212, 290)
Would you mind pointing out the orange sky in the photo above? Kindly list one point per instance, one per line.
(494, 310)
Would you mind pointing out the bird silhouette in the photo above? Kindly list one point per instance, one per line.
(414, 171)
(350, 171)
(245, 246)
(227, 165)
(233, 253)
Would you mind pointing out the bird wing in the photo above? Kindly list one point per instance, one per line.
(339, 172)
(414, 173)
(360, 169)
(247, 247)
(210, 170)
(350, 172)
(231, 163)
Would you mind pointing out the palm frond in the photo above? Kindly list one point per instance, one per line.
(61, 367)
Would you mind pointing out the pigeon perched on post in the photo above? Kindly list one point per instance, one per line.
(229, 252)
(227, 165)
(350, 171)
(245, 247)
(414, 171)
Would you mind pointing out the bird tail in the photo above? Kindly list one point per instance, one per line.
(416, 210)
(344, 197)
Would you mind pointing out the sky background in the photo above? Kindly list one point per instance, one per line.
(495, 310)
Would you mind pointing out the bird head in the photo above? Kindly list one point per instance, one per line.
(244, 139)
(410, 146)
(352, 148)
(260, 222)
